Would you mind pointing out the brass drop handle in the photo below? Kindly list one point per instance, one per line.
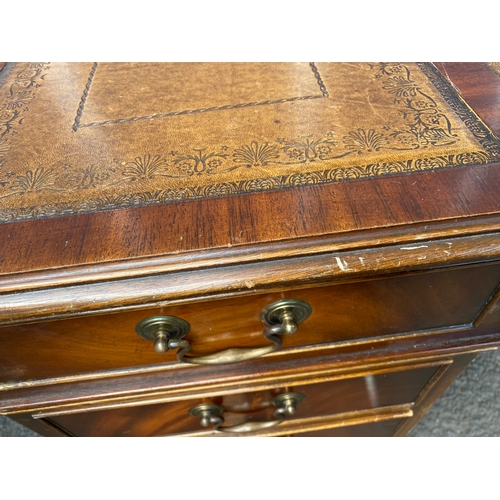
(211, 414)
(280, 318)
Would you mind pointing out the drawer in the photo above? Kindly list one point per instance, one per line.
(349, 311)
(336, 403)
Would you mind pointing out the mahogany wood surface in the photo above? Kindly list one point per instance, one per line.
(232, 222)
(402, 272)
(369, 401)
(479, 87)
(164, 384)
(159, 290)
(364, 423)
(321, 399)
(343, 312)
(236, 221)
(396, 375)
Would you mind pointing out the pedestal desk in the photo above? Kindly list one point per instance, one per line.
(296, 249)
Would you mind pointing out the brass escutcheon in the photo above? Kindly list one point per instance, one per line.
(162, 329)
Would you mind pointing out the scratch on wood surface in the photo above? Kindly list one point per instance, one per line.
(414, 248)
(239, 238)
(342, 263)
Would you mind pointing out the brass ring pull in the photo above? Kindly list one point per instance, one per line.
(211, 414)
(167, 333)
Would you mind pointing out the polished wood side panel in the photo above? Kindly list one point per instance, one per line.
(488, 322)
(445, 377)
(328, 398)
(340, 313)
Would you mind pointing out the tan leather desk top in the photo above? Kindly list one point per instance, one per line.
(87, 137)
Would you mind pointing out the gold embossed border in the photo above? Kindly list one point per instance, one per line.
(20, 94)
(202, 161)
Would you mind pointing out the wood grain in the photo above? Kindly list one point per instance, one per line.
(479, 86)
(403, 274)
(194, 285)
(233, 222)
(342, 312)
(328, 398)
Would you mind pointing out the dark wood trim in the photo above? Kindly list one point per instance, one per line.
(266, 372)
(305, 351)
(245, 279)
(243, 254)
(312, 377)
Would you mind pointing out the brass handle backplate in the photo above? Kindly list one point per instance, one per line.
(162, 330)
(280, 318)
(211, 414)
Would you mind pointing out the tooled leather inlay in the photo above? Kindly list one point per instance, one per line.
(78, 137)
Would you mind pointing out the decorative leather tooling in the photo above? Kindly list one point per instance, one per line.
(79, 137)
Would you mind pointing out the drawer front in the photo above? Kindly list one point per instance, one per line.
(360, 397)
(340, 312)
